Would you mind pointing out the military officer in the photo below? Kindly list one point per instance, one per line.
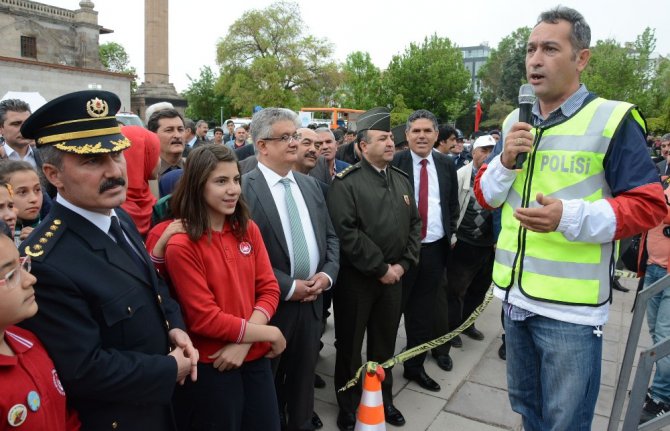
(372, 208)
(105, 317)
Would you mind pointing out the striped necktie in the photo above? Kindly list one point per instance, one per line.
(300, 251)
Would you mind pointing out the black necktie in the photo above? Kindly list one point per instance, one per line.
(117, 233)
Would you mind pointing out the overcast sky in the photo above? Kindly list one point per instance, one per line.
(381, 27)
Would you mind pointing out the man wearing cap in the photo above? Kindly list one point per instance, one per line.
(372, 208)
(400, 138)
(105, 317)
(433, 177)
(471, 260)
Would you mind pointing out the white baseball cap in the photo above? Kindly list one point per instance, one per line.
(484, 141)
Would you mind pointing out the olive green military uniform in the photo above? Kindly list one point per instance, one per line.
(378, 224)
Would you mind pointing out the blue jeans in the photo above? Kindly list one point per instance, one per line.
(553, 373)
(658, 319)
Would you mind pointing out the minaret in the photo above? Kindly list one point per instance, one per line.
(156, 86)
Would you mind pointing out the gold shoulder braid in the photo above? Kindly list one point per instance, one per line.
(347, 170)
(44, 242)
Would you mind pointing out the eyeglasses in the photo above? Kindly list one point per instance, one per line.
(13, 278)
(285, 138)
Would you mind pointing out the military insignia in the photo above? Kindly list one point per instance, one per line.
(347, 170)
(97, 108)
(17, 415)
(245, 248)
(406, 199)
(31, 253)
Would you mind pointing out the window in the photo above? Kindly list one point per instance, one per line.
(28, 47)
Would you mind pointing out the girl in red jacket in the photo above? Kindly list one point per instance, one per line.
(221, 276)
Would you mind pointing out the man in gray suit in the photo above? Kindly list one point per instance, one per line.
(290, 210)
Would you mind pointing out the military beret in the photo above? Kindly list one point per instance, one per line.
(82, 122)
(374, 119)
(399, 136)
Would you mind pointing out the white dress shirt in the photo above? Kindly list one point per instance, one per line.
(278, 194)
(435, 229)
(13, 155)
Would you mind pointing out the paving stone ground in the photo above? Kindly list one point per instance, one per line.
(474, 394)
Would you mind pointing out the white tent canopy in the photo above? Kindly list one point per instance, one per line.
(33, 98)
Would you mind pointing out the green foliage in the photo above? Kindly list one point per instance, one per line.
(505, 69)
(430, 75)
(266, 59)
(629, 73)
(361, 82)
(400, 112)
(496, 114)
(611, 71)
(204, 102)
(114, 58)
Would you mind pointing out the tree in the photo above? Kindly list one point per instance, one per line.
(430, 75)
(505, 69)
(114, 58)
(361, 84)
(266, 59)
(611, 71)
(204, 102)
(400, 112)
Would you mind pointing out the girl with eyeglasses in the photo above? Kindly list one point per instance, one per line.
(32, 395)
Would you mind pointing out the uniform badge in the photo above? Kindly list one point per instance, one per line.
(406, 199)
(245, 248)
(34, 401)
(97, 108)
(57, 383)
(17, 415)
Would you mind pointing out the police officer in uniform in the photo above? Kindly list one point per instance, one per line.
(374, 214)
(105, 317)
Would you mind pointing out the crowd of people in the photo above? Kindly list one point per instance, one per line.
(155, 280)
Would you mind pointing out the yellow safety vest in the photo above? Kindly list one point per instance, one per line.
(566, 163)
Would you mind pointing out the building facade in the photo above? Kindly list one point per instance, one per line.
(474, 58)
(54, 51)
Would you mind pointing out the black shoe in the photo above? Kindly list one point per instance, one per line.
(444, 362)
(456, 342)
(319, 382)
(423, 380)
(617, 286)
(474, 333)
(316, 421)
(653, 409)
(502, 352)
(346, 421)
(393, 416)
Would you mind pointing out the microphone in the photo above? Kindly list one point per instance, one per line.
(526, 102)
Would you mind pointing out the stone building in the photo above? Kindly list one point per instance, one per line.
(54, 51)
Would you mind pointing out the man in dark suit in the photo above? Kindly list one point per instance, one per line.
(290, 210)
(106, 319)
(433, 178)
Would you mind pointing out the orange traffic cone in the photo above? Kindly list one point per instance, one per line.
(370, 416)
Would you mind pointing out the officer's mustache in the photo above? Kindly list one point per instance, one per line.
(111, 183)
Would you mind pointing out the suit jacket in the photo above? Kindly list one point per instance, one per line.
(464, 191)
(446, 177)
(104, 322)
(264, 212)
(321, 171)
(662, 166)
